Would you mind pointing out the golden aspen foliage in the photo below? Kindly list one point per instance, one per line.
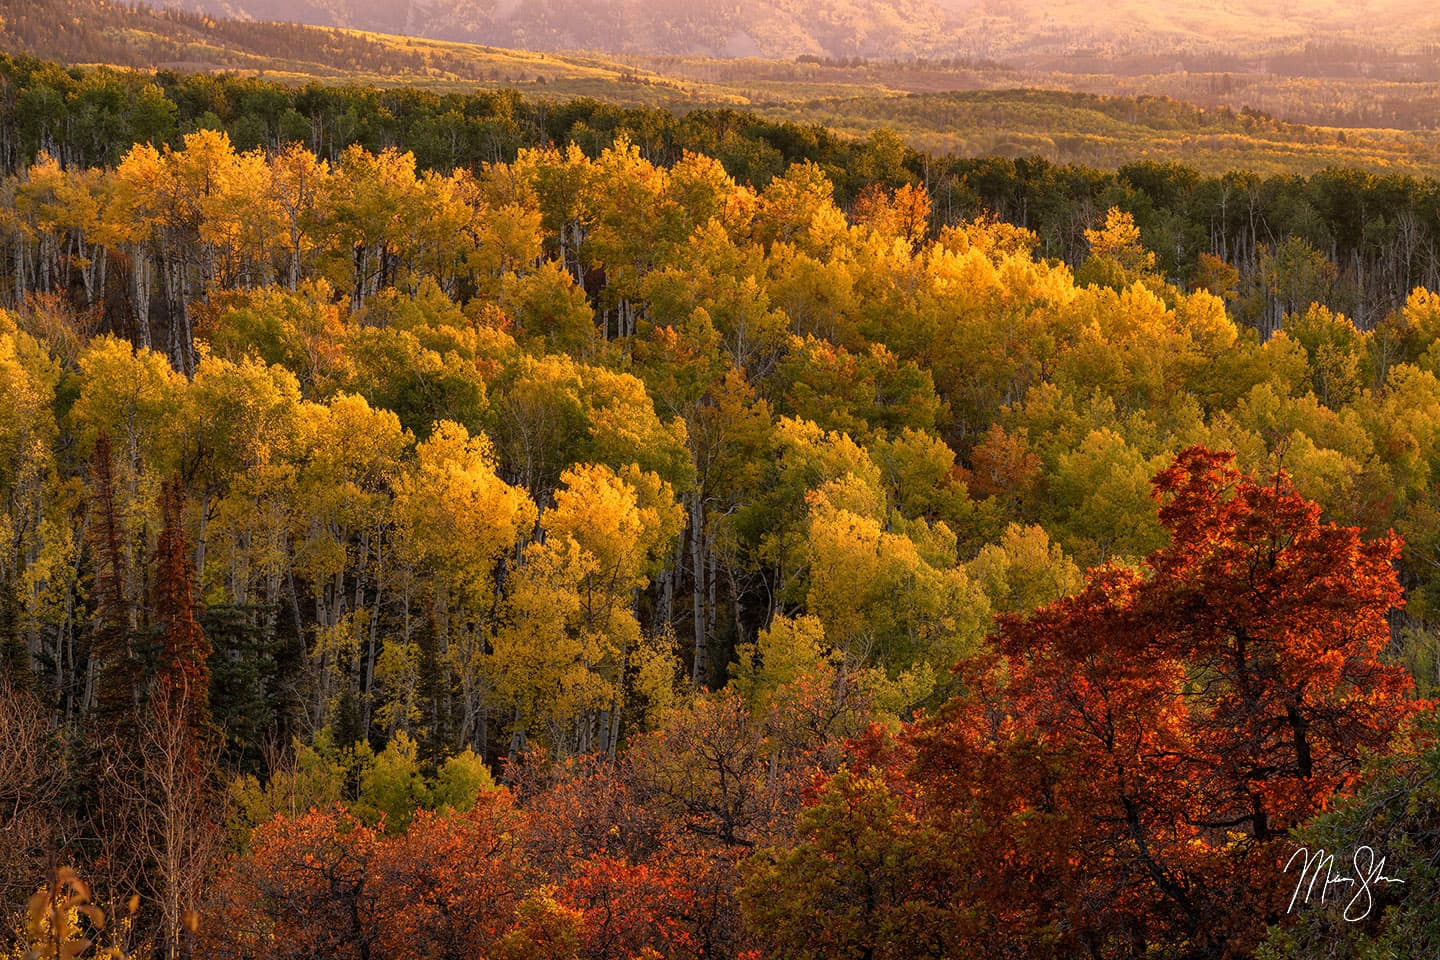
(454, 516)
(799, 208)
(1024, 570)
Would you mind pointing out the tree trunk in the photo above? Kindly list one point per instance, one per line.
(700, 673)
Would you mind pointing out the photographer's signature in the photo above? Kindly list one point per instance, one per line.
(1319, 874)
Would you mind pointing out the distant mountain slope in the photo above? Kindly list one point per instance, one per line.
(916, 101)
(771, 28)
(104, 32)
(1059, 32)
(1023, 30)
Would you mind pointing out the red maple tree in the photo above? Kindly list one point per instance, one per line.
(1127, 761)
(1119, 773)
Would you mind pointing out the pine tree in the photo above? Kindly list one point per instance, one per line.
(110, 641)
(182, 682)
(15, 667)
(178, 803)
(247, 697)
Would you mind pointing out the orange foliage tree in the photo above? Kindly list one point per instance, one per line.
(460, 877)
(304, 890)
(325, 884)
(1123, 765)
(1133, 755)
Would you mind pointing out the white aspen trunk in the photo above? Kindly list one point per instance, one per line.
(91, 253)
(613, 733)
(20, 246)
(200, 542)
(173, 296)
(700, 672)
(714, 578)
(46, 255)
(294, 276)
(186, 335)
(374, 641)
(517, 734)
(140, 277)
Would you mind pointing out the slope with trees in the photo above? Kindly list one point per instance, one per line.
(569, 554)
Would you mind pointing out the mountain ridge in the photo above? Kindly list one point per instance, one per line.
(1030, 32)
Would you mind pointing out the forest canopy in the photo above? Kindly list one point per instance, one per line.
(607, 546)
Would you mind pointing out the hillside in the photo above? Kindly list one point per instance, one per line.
(471, 526)
(779, 28)
(884, 479)
(944, 107)
(100, 32)
(1108, 131)
(1067, 32)
(1032, 32)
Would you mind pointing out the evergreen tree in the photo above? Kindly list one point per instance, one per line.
(181, 689)
(247, 697)
(111, 642)
(14, 654)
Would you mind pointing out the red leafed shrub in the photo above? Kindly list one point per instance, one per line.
(1122, 767)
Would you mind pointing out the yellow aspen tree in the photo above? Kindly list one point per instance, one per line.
(456, 521)
(298, 182)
